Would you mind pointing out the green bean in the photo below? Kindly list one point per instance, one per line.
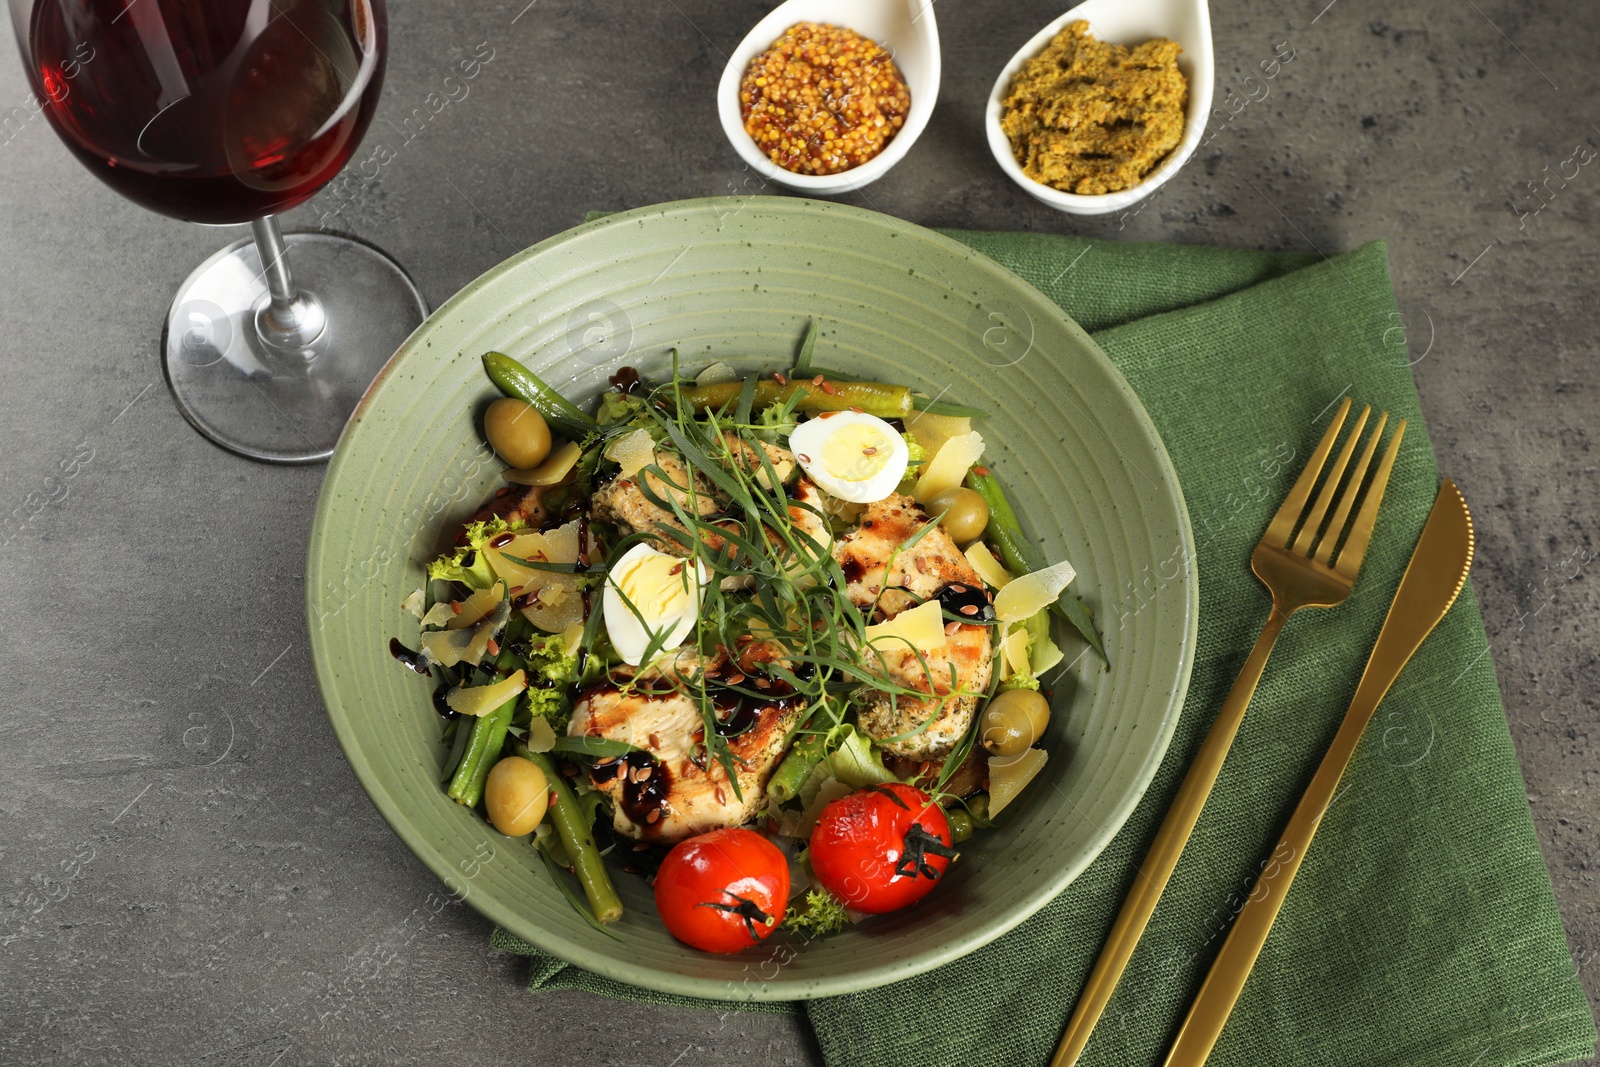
(514, 379)
(1022, 555)
(578, 838)
(483, 748)
(874, 398)
(919, 402)
(806, 752)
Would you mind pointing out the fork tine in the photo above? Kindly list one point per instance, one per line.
(1349, 561)
(1348, 498)
(1288, 514)
(1313, 523)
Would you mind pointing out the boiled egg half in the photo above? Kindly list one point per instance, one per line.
(851, 455)
(664, 594)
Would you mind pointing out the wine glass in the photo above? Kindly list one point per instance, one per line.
(226, 112)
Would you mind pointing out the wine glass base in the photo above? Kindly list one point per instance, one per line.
(271, 404)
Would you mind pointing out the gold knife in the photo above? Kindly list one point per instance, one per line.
(1433, 579)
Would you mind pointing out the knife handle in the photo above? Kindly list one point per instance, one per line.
(1209, 1012)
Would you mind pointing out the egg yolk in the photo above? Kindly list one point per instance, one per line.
(856, 451)
(656, 585)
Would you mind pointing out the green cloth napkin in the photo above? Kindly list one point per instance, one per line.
(1422, 928)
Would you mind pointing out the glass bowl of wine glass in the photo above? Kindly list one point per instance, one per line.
(225, 112)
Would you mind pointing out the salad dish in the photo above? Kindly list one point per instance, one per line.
(598, 607)
(785, 604)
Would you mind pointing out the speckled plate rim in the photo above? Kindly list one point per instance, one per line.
(983, 931)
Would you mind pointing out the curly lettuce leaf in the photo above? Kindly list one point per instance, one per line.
(466, 563)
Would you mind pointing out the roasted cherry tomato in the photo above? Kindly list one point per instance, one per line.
(723, 891)
(882, 848)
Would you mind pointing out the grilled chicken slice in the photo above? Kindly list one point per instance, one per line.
(807, 515)
(782, 459)
(623, 503)
(919, 573)
(811, 538)
(663, 795)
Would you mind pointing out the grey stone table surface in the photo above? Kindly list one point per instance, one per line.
(189, 872)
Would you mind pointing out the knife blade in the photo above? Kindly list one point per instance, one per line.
(1432, 581)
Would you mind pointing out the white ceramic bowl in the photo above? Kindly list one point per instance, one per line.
(905, 27)
(1187, 22)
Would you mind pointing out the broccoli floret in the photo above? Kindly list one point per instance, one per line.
(1020, 681)
(466, 563)
(547, 660)
(776, 422)
(915, 458)
(822, 914)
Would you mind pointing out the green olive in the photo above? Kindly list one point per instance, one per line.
(1014, 720)
(965, 514)
(978, 805)
(960, 825)
(517, 431)
(515, 796)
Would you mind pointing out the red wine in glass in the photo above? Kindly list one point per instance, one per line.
(227, 112)
(216, 124)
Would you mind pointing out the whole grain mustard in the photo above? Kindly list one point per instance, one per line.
(823, 99)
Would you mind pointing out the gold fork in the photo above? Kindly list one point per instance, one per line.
(1314, 568)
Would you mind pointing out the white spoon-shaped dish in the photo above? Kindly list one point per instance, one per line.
(905, 27)
(1128, 23)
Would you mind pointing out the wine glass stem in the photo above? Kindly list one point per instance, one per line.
(291, 319)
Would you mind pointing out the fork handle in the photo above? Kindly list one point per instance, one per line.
(1166, 848)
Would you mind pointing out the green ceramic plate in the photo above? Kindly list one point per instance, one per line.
(737, 279)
